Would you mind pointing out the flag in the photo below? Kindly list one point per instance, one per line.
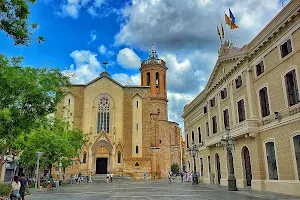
(222, 30)
(230, 23)
(219, 34)
(231, 16)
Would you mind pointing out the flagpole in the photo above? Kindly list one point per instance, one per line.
(226, 33)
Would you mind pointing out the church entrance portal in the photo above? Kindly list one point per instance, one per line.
(101, 166)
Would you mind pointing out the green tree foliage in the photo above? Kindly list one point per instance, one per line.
(13, 20)
(27, 96)
(175, 168)
(54, 139)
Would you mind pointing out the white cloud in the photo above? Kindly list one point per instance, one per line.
(102, 49)
(93, 36)
(92, 11)
(128, 58)
(71, 8)
(99, 3)
(125, 79)
(86, 67)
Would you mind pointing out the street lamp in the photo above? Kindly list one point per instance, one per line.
(193, 151)
(59, 168)
(39, 154)
(229, 142)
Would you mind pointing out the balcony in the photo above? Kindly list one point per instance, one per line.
(283, 114)
(249, 127)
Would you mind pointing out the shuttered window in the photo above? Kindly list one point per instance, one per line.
(292, 88)
(286, 48)
(193, 136)
(213, 102)
(264, 103)
(207, 129)
(214, 122)
(259, 68)
(241, 110)
(199, 135)
(238, 82)
(223, 93)
(226, 118)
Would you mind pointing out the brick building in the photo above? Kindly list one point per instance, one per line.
(127, 125)
(254, 90)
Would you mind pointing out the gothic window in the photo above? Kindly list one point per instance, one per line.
(136, 149)
(199, 135)
(292, 88)
(103, 114)
(271, 161)
(238, 82)
(137, 104)
(148, 78)
(259, 68)
(296, 140)
(286, 48)
(264, 103)
(69, 102)
(241, 110)
(226, 118)
(119, 157)
(214, 122)
(84, 158)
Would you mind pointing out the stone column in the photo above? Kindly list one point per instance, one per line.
(250, 94)
(220, 126)
(209, 119)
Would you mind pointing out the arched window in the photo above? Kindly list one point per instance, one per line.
(103, 114)
(193, 136)
(84, 157)
(157, 79)
(148, 78)
(119, 157)
(271, 161)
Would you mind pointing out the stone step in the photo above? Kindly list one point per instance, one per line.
(101, 177)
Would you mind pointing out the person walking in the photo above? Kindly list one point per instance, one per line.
(15, 189)
(170, 177)
(24, 185)
(107, 177)
(145, 175)
(111, 177)
(181, 174)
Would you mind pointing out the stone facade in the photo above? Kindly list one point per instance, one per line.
(127, 126)
(267, 150)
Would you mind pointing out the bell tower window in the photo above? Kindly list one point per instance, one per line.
(148, 78)
(157, 79)
(103, 118)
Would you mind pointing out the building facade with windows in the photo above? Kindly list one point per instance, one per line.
(127, 126)
(253, 90)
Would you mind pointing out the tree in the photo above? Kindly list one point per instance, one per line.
(55, 140)
(175, 168)
(27, 96)
(13, 20)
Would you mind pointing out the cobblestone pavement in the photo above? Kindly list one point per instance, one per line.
(156, 189)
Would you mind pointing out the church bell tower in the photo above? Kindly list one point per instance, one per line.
(153, 74)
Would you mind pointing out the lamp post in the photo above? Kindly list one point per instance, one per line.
(229, 142)
(59, 169)
(39, 154)
(193, 151)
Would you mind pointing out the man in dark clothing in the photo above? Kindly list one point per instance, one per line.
(24, 185)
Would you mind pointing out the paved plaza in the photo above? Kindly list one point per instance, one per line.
(154, 189)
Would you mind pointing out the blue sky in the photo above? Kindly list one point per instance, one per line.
(81, 34)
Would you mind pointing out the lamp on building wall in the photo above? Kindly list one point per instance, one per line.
(229, 143)
(193, 152)
(276, 115)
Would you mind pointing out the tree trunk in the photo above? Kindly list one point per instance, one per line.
(50, 169)
(2, 159)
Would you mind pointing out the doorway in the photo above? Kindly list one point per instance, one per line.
(247, 165)
(218, 169)
(101, 166)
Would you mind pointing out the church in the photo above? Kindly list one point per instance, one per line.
(127, 125)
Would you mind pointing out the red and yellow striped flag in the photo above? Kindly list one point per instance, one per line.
(230, 23)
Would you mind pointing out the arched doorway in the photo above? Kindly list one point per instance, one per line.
(218, 168)
(247, 165)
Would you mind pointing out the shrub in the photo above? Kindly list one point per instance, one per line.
(175, 168)
(4, 189)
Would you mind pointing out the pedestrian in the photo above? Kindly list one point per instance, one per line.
(24, 185)
(111, 177)
(15, 189)
(170, 177)
(91, 178)
(107, 177)
(145, 175)
(181, 174)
